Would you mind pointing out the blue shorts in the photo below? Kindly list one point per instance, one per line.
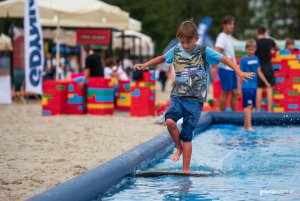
(228, 79)
(189, 110)
(249, 97)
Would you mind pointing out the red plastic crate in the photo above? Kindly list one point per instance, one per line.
(54, 97)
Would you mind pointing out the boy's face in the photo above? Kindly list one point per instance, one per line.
(291, 46)
(188, 43)
(250, 51)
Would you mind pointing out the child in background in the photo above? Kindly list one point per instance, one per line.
(290, 45)
(119, 68)
(191, 63)
(109, 72)
(250, 63)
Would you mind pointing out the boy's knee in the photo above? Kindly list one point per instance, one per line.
(171, 123)
(186, 135)
(235, 93)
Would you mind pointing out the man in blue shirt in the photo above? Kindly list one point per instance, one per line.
(191, 64)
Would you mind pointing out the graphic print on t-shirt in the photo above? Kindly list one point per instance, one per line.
(191, 73)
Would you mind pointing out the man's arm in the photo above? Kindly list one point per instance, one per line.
(155, 61)
(276, 48)
(233, 66)
(239, 79)
(86, 73)
(218, 49)
(262, 77)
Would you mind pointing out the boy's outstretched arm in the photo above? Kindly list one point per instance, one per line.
(241, 74)
(154, 61)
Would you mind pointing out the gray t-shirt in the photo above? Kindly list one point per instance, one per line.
(192, 70)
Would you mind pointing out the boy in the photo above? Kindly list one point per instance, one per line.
(191, 63)
(250, 63)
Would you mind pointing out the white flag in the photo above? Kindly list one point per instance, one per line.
(34, 50)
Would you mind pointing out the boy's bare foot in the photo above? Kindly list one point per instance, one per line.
(186, 171)
(249, 129)
(177, 155)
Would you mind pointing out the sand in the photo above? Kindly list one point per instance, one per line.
(37, 153)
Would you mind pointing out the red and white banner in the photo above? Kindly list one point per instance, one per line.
(93, 36)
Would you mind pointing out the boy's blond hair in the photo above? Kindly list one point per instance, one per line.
(187, 29)
(251, 43)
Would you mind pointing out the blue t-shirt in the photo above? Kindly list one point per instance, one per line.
(250, 65)
(192, 70)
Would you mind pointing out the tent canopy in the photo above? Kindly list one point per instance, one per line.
(70, 13)
(134, 41)
(5, 43)
(135, 25)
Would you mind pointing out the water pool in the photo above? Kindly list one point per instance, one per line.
(263, 165)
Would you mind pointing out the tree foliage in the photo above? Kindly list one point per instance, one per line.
(281, 17)
(160, 18)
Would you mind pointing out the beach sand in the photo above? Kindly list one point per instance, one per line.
(38, 153)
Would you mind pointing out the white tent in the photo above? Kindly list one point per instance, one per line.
(135, 25)
(5, 43)
(70, 13)
(134, 41)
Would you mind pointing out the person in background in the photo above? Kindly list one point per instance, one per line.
(127, 62)
(263, 52)
(93, 65)
(119, 67)
(163, 74)
(110, 70)
(228, 78)
(250, 63)
(290, 45)
(127, 65)
(74, 64)
(49, 68)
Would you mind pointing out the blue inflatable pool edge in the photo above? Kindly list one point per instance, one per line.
(100, 179)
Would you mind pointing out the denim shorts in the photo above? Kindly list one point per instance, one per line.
(189, 110)
(249, 97)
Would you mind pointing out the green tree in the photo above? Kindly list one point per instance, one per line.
(281, 17)
(160, 19)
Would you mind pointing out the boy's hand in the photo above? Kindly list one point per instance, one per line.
(244, 76)
(138, 67)
(268, 85)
